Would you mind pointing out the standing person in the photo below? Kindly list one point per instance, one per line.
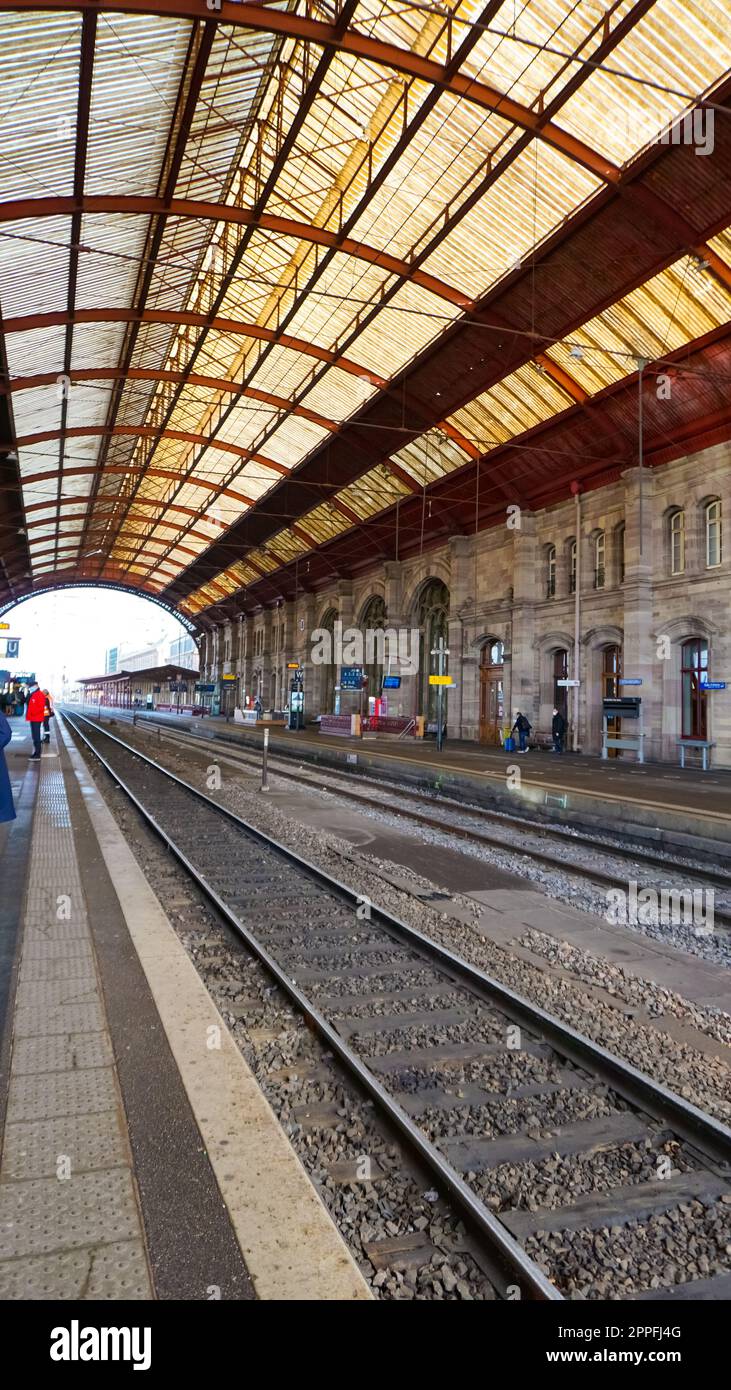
(34, 717)
(258, 707)
(558, 729)
(523, 728)
(7, 808)
(48, 714)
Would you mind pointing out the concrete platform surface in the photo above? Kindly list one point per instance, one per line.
(137, 1162)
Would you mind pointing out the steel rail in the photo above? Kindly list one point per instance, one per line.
(714, 878)
(503, 1245)
(688, 1121)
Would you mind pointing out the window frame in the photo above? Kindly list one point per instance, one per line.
(551, 571)
(677, 533)
(714, 522)
(600, 564)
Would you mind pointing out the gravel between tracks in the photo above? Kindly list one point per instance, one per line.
(606, 1264)
(295, 1071)
(704, 1079)
(449, 1272)
(712, 946)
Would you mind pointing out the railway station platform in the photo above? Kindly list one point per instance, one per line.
(138, 1161)
(650, 799)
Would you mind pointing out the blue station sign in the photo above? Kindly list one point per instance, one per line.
(713, 685)
(351, 678)
(629, 680)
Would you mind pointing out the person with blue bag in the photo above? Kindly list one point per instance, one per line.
(523, 728)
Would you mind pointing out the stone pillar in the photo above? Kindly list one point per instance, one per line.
(246, 658)
(463, 706)
(204, 656)
(304, 624)
(520, 684)
(349, 703)
(288, 646)
(217, 655)
(639, 650)
(345, 602)
(266, 661)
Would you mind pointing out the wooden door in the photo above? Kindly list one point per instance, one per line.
(492, 695)
(611, 673)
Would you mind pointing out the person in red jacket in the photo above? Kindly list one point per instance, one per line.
(34, 716)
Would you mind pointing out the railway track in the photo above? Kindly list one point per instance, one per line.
(533, 1130)
(715, 878)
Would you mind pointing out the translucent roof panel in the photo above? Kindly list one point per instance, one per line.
(680, 46)
(359, 201)
(137, 69)
(39, 102)
(682, 303)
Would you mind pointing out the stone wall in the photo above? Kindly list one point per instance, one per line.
(498, 592)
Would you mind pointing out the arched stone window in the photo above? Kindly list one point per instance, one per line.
(571, 553)
(600, 553)
(714, 533)
(619, 540)
(676, 536)
(550, 571)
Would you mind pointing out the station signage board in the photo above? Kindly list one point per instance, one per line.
(568, 683)
(391, 682)
(351, 678)
(293, 666)
(442, 680)
(4, 627)
(622, 706)
(204, 688)
(228, 678)
(713, 685)
(629, 680)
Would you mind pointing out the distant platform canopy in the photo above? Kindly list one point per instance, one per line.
(289, 288)
(156, 684)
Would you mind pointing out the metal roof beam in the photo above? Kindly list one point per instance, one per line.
(26, 323)
(149, 432)
(226, 387)
(27, 209)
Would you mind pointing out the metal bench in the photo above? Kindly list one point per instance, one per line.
(701, 745)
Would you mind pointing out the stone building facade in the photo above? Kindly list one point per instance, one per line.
(652, 572)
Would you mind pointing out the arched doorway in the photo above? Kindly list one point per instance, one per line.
(374, 620)
(492, 693)
(326, 694)
(561, 673)
(611, 672)
(694, 700)
(432, 616)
